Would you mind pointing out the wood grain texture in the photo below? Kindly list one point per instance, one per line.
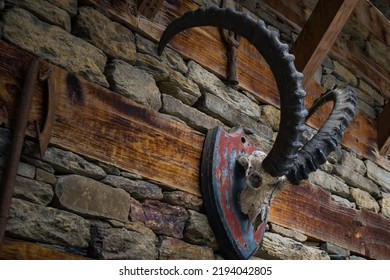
(22, 250)
(101, 125)
(384, 131)
(318, 35)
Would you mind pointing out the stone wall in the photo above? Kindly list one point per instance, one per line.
(95, 210)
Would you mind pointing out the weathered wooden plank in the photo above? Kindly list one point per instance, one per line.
(310, 210)
(22, 250)
(318, 35)
(101, 125)
(384, 131)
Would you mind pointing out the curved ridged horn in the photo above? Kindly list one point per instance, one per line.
(316, 150)
(284, 151)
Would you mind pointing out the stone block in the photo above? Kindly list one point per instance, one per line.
(122, 244)
(379, 51)
(162, 218)
(378, 175)
(364, 200)
(91, 198)
(335, 252)
(275, 246)
(30, 221)
(169, 57)
(329, 81)
(138, 189)
(379, 100)
(180, 87)
(271, 115)
(46, 11)
(209, 83)
(343, 201)
(153, 66)
(198, 231)
(33, 191)
(68, 5)
(330, 183)
(297, 236)
(222, 110)
(357, 180)
(191, 116)
(55, 45)
(175, 249)
(385, 205)
(350, 161)
(133, 83)
(26, 170)
(344, 74)
(366, 109)
(183, 199)
(65, 162)
(45, 177)
(115, 40)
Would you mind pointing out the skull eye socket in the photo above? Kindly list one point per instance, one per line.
(255, 180)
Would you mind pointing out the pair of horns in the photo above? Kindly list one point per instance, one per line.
(288, 155)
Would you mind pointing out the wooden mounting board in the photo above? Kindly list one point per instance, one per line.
(99, 124)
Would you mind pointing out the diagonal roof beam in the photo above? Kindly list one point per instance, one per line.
(319, 34)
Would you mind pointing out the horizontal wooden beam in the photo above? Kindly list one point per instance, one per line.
(22, 250)
(384, 131)
(104, 126)
(318, 35)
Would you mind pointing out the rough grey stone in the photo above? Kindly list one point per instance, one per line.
(91, 198)
(133, 83)
(26, 170)
(39, 164)
(297, 236)
(364, 97)
(330, 183)
(222, 110)
(357, 180)
(112, 38)
(328, 81)
(38, 223)
(327, 62)
(343, 201)
(379, 100)
(153, 66)
(344, 74)
(350, 161)
(275, 246)
(162, 218)
(271, 115)
(385, 205)
(175, 249)
(183, 199)
(327, 167)
(191, 116)
(169, 57)
(120, 243)
(365, 108)
(109, 169)
(378, 175)
(334, 251)
(198, 231)
(180, 87)
(138, 189)
(33, 191)
(45, 11)
(364, 200)
(45, 177)
(65, 162)
(356, 31)
(132, 176)
(54, 44)
(335, 156)
(68, 5)
(209, 83)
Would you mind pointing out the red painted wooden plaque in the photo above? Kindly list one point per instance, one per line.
(222, 180)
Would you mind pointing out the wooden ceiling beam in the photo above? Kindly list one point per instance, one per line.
(319, 34)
